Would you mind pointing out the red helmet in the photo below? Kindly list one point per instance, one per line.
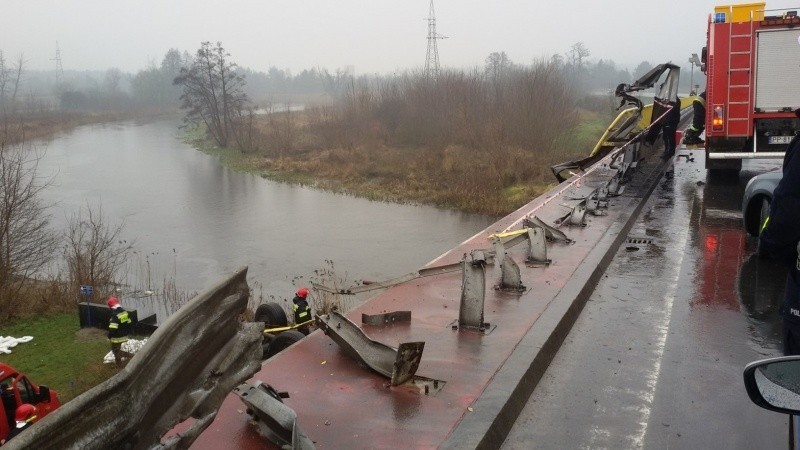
(112, 302)
(25, 414)
(302, 292)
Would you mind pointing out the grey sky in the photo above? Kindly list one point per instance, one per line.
(373, 36)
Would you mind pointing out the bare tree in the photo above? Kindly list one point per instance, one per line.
(112, 80)
(497, 64)
(26, 242)
(10, 80)
(578, 53)
(94, 251)
(213, 92)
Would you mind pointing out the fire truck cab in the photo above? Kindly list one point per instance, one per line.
(752, 66)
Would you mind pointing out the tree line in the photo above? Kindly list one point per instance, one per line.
(153, 86)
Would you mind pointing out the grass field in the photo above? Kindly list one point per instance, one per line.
(60, 356)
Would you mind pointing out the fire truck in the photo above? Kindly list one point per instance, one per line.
(752, 64)
(16, 389)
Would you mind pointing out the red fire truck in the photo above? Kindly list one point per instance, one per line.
(16, 389)
(752, 65)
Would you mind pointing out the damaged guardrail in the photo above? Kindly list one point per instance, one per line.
(189, 365)
(264, 405)
(398, 364)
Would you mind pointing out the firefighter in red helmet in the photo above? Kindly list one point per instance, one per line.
(119, 327)
(25, 416)
(302, 312)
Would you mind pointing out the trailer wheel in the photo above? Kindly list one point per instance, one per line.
(272, 314)
(282, 341)
(265, 349)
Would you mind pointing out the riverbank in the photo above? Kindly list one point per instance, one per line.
(474, 180)
(14, 130)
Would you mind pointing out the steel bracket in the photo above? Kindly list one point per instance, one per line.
(577, 217)
(551, 233)
(398, 364)
(537, 248)
(510, 279)
(615, 186)
(264, 406)
(473, 292)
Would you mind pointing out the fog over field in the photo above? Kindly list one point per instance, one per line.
(365, 37)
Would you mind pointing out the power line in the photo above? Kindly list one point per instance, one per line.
(59, 68)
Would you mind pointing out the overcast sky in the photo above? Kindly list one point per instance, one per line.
(373, 36)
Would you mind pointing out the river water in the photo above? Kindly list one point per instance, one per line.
(193, 220)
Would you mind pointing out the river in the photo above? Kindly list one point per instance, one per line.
(193, 220)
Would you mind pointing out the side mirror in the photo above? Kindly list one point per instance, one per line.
(44, 394)
(774, 383)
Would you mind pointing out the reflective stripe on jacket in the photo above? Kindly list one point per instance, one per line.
(119, 326)
(302, 312)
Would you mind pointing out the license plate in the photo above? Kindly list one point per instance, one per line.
(780, 139)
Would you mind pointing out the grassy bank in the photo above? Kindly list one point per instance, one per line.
(61, 355)
(462, 140)
(446, 177)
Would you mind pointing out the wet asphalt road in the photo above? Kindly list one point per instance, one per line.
(655, 359)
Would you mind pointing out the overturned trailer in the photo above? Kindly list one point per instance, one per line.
(637, 122)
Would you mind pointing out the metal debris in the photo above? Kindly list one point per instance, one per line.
(552, 233)
(386, 318)
(399, 364)
(265, 407)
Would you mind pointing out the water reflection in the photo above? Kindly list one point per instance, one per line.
(195, 220)
(728, 273)
(761, 285)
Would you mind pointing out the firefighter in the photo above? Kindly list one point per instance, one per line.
(671, 121)
(780, 239)
(119, 327)
(25, 416)
(693, 133)
(302, 312)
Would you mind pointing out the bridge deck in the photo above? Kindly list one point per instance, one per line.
(488, 377)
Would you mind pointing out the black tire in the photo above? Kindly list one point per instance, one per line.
(762, 217)
(282, 341)
(271, 314)
(265, 349)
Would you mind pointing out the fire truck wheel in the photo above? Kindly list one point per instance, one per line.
(272, 314)
(282, 341)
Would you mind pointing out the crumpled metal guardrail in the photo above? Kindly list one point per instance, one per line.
(188, 367)
(264, 405)
(398, 364)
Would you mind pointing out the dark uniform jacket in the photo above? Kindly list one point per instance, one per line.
(119, 326)
(302, 312)
(781, 233)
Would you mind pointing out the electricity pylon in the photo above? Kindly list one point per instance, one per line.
(432, 58)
